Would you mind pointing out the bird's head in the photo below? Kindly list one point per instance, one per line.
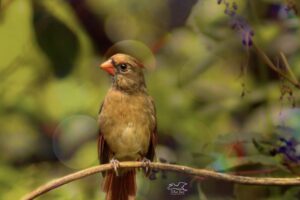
(127, 72)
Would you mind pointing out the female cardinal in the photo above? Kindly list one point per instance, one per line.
(127, 122)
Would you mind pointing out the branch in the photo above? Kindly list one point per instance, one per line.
(162, 166)
(287, 66)
(270, 64)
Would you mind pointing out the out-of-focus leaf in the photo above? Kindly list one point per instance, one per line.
(14, 31)
(251, 192)
(180, 11)
(55, 39)
(57, 103)
(93, 25)
(292, 193)
(18, 139)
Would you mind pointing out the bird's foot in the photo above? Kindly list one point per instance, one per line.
(115, 164)
(146, 164)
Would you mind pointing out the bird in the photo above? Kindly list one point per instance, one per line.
(127, 125)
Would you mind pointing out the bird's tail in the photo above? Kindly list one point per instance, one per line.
(122, 187)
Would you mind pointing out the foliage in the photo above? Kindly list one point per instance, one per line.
(219, 105)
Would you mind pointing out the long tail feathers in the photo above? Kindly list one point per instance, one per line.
(122, 187)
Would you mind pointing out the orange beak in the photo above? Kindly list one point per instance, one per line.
(108, 67)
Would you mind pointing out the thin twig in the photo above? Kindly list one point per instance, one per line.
(287, 66)
(274, 68)
(161, 166)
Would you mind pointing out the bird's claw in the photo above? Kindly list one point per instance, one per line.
(146, 164)
(115, 164)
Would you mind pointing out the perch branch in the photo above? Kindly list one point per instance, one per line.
(161, 166)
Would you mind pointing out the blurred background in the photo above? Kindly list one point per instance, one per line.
(219, 106)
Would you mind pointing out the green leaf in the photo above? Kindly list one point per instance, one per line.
(56, 40)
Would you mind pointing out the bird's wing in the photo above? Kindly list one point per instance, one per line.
(153, 137)
(103, 150)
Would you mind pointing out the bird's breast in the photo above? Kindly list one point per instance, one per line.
(126, 123)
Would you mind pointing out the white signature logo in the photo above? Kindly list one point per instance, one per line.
(177, 189)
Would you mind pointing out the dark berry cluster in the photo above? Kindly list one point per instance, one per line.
(288, 149)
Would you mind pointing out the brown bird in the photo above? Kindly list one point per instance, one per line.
(127, 122)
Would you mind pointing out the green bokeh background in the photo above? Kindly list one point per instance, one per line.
(51, 89)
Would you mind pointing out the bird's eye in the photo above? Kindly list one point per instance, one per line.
(123, 67)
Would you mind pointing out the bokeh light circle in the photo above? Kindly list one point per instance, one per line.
(136, 49)
(75, 142)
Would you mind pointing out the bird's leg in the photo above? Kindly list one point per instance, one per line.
(146, 164)
(115, 164)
